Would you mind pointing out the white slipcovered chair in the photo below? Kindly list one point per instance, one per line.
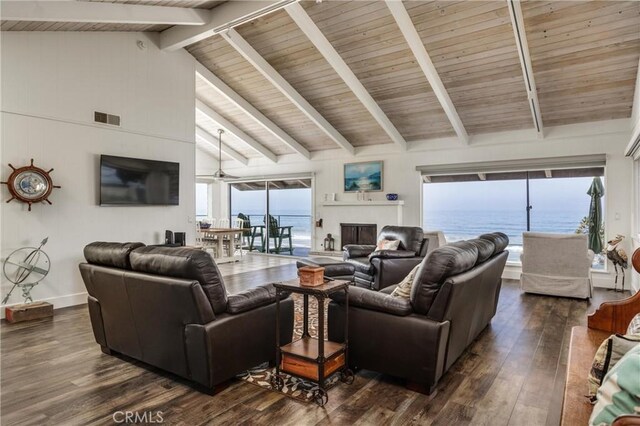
(556, 264)
(436, 239)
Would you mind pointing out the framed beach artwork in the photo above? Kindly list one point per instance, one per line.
(363, 176)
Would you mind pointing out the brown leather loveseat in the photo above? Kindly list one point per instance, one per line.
(418, 339)
(168, 307)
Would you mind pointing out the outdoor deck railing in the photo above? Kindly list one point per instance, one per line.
(301, 225)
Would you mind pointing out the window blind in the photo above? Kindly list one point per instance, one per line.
(541, 168)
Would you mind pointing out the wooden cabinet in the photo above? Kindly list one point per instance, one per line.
(358, 233)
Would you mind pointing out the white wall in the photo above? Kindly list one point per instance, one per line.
(400, 176)
(51, 85)
(635, 221)
(218, 198)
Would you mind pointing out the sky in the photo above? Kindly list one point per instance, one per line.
(563, 194)
(559, 194)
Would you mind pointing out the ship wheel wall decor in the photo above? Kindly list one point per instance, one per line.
(30, 184)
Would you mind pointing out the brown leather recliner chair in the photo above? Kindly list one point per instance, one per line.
(375, 270)
(418, 339)
(168, 307)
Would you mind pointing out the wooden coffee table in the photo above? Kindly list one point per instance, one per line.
(311, 358)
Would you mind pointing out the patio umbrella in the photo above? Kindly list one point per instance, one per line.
(596, 191)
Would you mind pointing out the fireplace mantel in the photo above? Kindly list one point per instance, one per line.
(363, 203)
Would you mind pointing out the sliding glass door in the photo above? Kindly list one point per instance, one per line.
(280, 215)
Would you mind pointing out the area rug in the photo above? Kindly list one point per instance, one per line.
(294, 387)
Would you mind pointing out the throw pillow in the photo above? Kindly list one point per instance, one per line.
(387, 245)
(607, 356)
(620, 390)
(634, 325)
(404, 287)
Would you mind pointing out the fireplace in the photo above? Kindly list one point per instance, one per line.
(358, 233)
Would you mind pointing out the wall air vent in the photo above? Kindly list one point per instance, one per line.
(104, 118)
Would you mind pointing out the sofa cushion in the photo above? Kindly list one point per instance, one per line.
(387, 245)
(182, 262)
(110, 254)
(607, 356)
(486, 249)
(443, 262)
(634, 325)
(620, 390)
(410, 237)
(252, 298)
(499, 239)
(403, 289)
(375, 301)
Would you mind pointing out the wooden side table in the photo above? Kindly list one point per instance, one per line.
(311, 358)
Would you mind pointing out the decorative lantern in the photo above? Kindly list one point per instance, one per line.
(329, 243)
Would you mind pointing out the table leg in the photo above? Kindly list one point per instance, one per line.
(321, 359)
(220, 246)
(275, 380)
(305, 315)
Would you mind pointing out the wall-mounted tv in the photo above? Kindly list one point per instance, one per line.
(134, 181)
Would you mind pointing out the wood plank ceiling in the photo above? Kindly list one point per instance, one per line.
(584, 53)
(475, 53)
(88, 26)
(584, 57)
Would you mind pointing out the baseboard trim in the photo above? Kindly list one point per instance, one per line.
(57, 302)
(600, 279)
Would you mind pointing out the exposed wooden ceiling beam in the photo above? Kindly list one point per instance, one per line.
(221, 87)
(313, 33)
(107, 13)
(228, 15)
(211, 140)
(234, 130)
(517, 22)
(270, 73)
(414, 41)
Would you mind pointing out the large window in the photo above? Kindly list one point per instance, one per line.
(465, 206)
(287, 202)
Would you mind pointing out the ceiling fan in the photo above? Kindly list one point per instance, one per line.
(219, 174)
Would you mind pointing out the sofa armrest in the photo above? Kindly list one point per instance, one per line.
(375, 301)
(251, 299)
(351, 251)
(392, 271)
(392, 254)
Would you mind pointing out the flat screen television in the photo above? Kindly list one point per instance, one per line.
(134, 181)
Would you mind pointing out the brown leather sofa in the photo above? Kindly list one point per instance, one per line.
(418, 339)
(375, 270)
(168, 307)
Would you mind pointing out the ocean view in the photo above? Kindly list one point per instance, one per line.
(456, 224)
(465, 224)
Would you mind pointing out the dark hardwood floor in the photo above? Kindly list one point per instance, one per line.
(54, 373)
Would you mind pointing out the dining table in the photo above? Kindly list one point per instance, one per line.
(217, 237)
